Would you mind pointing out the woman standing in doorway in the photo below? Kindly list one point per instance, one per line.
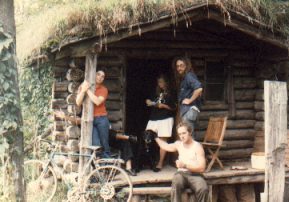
(161, 118)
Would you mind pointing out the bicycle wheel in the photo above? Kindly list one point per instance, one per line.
(108, 183)
(41, 181)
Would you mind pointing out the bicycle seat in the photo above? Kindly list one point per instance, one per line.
(93, 148)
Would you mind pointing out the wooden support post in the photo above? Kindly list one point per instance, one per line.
(275, 94)
(87, 112)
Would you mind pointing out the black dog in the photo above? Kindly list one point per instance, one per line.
(147, 152)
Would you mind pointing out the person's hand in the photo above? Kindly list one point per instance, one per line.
(161, 105)
(180, 164)
(132, 139)
(85, 86)
(149, 103)
(186, 101)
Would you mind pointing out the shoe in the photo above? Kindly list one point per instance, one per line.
(155, 169)
(131, 172)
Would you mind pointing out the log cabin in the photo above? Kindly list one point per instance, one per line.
(233, 55)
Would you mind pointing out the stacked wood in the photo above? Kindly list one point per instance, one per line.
(70, 166)
(73, 87)
(72, 132)
(74, 109)
(74, 74)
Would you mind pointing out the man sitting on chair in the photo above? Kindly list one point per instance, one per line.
(191, 163)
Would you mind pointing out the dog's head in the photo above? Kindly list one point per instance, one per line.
(148, 137)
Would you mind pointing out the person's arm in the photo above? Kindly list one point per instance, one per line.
(197, 166)
(166, 146)
(97, 100)
(81, 92)
(195, 95)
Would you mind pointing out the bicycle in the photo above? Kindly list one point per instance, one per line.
(106, 182)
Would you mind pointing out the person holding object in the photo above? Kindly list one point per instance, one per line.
(100, 132)
(190, 90)
(161, 118)
(190, 164)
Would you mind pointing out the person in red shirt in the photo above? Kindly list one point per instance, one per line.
(100, 132)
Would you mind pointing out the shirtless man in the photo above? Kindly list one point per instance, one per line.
(191, 163)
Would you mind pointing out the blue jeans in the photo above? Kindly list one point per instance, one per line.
(100, 134)
(191, 118)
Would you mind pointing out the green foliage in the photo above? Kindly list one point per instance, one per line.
(35, 88)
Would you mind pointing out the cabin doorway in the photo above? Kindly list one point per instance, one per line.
(141, 82)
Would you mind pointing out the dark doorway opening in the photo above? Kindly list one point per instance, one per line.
(141, 82)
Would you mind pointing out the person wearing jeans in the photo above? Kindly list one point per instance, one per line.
(100, 132)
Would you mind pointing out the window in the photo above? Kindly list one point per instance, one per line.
(215, 81)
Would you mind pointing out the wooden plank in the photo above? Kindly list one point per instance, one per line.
(244, 82)
(87, 115)
(275, 94)
(245, 95)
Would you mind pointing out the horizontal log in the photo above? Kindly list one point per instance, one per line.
(73, 87)
(73, 145)
(58, 104)
(114, 96)
(111, 71)
(71, 99)
(243, 71)
(245, 105)
(237, 179)
(259, 105)
(117, 125)
(75, 74)
(214, 106)
(60, 86)
(235, 153)
(59, 136)
(259, 125)
(231, 124)
(73, 132)
(59, 95)
(115, 115)
(259, 116)
(235, 144)
(245, 95)
(113, 105)
(259, 95)
(244, 82)
(265, 71)
(240, 114)
(260, 83)
(113, 85)
(231, 134)
(237, 62)
(74, 109)
(70, 166)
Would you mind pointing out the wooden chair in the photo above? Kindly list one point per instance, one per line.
(214, 138)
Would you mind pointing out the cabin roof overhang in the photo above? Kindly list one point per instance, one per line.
(237, 21)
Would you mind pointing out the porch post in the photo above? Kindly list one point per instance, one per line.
(87, 112)
(275, 96)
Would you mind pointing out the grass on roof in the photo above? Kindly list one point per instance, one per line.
(43, 23)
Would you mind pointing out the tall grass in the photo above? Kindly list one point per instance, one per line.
(51, 21)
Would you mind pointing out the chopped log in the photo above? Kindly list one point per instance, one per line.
(60, 86)
(59, 95)
(73, 87)
(73, 145)
(259, 95)
(244, 82)
(245, 95)
(64, 148)
(235, 153)
(58, 104)
(114, 116)
(73, 132)
(235, 144)
(259, 105)
(73, 156)
(259, 116)
(113, 105)
(74, 74)
(70, 166)
(74, 109)
(71, 99)
(276, 101)
(245, 105)
(59, 125)
(259, 125)
(59, 136)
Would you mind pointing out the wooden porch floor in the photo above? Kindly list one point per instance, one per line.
(214, 177)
